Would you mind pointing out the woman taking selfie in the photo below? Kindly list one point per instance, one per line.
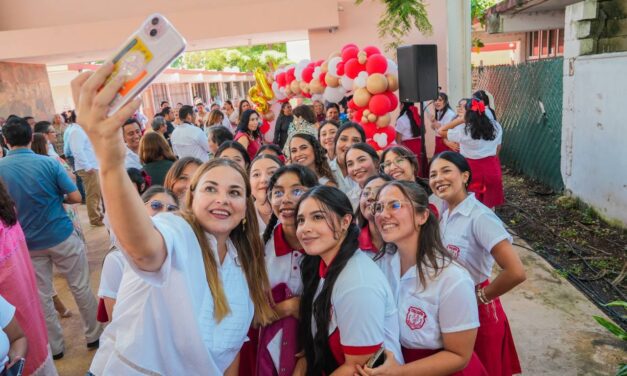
(347, 309)
(477, 238)
(437, 311)
(198, 279)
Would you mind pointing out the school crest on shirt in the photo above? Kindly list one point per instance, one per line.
(415, 318)
(454, 250)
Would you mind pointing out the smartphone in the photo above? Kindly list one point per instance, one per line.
(16, 369)
(143, 56)
(377, 359)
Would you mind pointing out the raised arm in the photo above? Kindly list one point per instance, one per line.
(127, 215)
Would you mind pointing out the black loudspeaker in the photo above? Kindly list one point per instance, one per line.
(418, 72)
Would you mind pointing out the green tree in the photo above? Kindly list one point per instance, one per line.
(399, 18)
(478, 9)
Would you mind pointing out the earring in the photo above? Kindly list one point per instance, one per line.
(244, 223)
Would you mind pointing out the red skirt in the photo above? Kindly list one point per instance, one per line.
(495, 344)
(248, 354)
(473, 368)
(487, 181)
(440, 146)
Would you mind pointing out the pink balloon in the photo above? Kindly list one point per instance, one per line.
(379, 104)
(371, 50)
(376, 63)
(349, 53)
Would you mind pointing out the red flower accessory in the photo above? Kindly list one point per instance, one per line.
(478, 106)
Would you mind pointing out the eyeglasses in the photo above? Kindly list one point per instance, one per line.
(396, 161)
(295, 193)
(370, 192)
(393, 205)
(159, 206)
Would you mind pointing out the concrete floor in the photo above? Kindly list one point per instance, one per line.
(550, 319)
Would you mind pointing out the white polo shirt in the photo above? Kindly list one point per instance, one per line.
(475, 149)
(446, 305)
(283, 263)
(363, 308)
(469, 233)
(82, 150)
(190, 141)
(111, 275)
(131, 160)
(346, 184)
(163, 321)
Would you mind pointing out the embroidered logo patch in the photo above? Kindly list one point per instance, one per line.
(454, 250)
(416, 318)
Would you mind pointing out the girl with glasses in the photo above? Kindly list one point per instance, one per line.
(477, 238)
(349, 133)
(370, 239)
(347, 310)
(437, 312)
(283, 255)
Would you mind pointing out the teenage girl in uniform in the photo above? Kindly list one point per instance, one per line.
(370, 239)
(477, 238)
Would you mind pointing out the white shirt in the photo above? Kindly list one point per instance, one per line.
(346, 184)
(475, 149)
(403, 127)
(7, 311)
(163, 321)
(190, 141)
(111, 276)
(51, 151)
(448, 117)
(82, 150)
(469, 233)
(363, 307)
(446, 305)
(131, 160)
(285, 268)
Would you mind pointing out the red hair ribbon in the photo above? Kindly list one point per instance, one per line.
(478, 106)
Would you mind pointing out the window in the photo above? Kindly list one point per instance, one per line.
(544, 44)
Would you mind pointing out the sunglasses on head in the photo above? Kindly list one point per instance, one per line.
(159, 206)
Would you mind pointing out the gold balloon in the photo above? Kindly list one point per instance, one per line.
(295, 87)
(262, 83)
(361, 97)
(383, 121)
(367, 112)
(325, 66)
(260, 102)
(331, 81)
(372, 118)
(316, 87)
(269, 116)
(364, 119)
(303, 85)
(392, 82)
(377, 83)
(362, 57)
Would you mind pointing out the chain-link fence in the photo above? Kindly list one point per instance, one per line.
(528, 103)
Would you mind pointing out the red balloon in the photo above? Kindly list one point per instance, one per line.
(353, 106)
(376, 64)
(307, 74)
(349, 53)
(371, 50)
(352, 68)
(349, 45)
(289, 76)
(382, 138)
(393, 99)
(280, 79)
(319, 63)
(358, 115)
(369, 130)
(340, 69)
(379, 104)
(322, 80)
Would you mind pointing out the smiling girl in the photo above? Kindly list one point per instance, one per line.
(261, 170)
(362, 162)
(306, 151)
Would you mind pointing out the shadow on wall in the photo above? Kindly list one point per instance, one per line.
(25, 91)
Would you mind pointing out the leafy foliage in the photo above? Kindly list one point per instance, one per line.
(244, 59)
(616, 330)
(478, 9)
(399, 18)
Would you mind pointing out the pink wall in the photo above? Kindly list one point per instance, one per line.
(25, 91)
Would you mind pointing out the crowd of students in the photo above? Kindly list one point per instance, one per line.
(232, 256)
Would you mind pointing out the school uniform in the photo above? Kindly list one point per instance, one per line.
(487, 177)
(365, 242)
(163, 321)
(469, 233)
(363, 313)
(278, 342)
(346, 184)
(447, 304)
(448, 117)
(110, 280)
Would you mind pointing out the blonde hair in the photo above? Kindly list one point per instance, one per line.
(250, 251)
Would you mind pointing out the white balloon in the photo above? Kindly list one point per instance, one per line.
(392, 67)
(332, 66)
(360, 80)
(317, 97)
(316, 73)
(298, 71)
(347, 83)
(269, 135)
(334, 94)
(278, 94)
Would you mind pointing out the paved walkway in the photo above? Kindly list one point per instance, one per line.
(551, 320)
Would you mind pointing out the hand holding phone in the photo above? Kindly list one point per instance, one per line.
(16, 369)
(377, 359)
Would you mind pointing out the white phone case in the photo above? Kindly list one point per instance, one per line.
(145, 54)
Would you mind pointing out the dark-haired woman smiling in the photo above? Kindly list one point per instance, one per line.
(248, 132)
(347, 309)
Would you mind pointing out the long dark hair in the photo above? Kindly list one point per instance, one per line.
(306, 177)
(481, 94)
(361, 219)
(317, 351)
(477, 122)
(413, 160)
(366, 148)
(439, 114)
(243, 124)
(458, 160)
(234, 145)
(321, 163)
(39, 145)
(406, 109)
(8, 216)
(430, 252)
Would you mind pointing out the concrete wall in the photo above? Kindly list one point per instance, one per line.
(25, 91)
(594, 152)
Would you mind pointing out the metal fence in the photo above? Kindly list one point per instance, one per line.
(528, 103)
